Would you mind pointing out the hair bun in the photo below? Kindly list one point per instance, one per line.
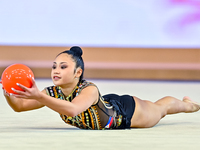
(77, 51)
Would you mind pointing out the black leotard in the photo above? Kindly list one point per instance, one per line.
(110, 112)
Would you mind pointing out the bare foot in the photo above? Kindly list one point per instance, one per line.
(195, 106)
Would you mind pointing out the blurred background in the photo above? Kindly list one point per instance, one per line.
(151, 48)
(121, 39)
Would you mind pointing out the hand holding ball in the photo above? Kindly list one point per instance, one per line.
(17, 73)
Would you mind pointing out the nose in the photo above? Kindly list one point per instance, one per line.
(56, 71)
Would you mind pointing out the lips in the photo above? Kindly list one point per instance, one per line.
(56, 77)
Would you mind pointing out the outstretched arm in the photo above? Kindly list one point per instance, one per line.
(88, 96)
(20, 104)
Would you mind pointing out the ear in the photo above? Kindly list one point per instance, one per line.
(78, 72)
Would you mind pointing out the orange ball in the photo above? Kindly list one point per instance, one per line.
(16, 73)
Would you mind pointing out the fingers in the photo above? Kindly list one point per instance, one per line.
(5, 93)
(33, 81)
(22, 87)
(18, 93)
(2, 85)
(25, 92)
(18, 96)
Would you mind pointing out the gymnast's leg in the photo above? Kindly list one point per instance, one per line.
(147, 113)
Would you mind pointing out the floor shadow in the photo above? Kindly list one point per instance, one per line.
(17, 129)
(172, 124)
(49, 128)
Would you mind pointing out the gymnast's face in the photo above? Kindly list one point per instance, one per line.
(63, 70)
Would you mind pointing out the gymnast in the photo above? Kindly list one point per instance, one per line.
(80, 103)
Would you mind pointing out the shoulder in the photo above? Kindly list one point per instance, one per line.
(90, 90)
(85, 84)
(87, 96)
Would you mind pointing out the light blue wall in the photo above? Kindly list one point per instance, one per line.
(124, 23)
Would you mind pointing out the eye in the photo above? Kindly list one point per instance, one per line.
(63, 66)
(54, 67)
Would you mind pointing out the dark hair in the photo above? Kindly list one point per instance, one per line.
(76, 53)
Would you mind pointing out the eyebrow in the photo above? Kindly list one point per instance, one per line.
(60, 63)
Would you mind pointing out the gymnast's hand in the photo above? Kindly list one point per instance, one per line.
(27, 93)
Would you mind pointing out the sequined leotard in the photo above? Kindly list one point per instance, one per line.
(102, 115)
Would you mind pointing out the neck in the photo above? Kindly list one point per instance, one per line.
(68, 89)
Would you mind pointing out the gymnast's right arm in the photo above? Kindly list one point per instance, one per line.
(19, 104)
